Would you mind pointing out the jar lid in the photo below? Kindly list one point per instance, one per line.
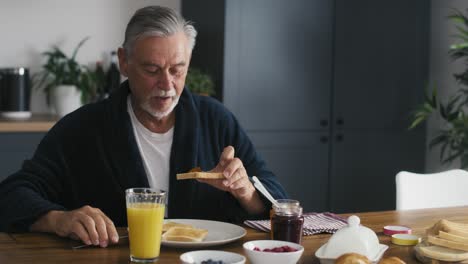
(287, 207)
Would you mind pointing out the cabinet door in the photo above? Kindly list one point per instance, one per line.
(364, 165)
(380, 76)
(15, 148)
(278, 65)
(300, 161)
(381, 62)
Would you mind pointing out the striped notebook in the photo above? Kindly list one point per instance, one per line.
(314, 223)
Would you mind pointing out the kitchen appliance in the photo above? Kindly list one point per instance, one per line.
(15, 89)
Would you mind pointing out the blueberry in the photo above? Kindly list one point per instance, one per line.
(210, 261)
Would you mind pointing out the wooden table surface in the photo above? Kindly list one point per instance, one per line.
(46, 248)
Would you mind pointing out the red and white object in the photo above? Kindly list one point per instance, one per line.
(391, 230)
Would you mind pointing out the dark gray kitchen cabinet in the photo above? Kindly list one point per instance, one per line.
(380, 72)
(324, 90)
(14, 149)
(277, 65)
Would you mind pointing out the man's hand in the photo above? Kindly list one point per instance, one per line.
(87, 224)
(236, 181)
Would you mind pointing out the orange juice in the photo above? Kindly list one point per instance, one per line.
(145, 221)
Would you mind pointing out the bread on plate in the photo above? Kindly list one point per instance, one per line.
(185, 234)
(446, 241)
(168, 225)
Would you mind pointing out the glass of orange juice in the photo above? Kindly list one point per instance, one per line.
(145, 215)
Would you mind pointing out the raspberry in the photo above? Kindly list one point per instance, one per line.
(277, 249)
(289, 249)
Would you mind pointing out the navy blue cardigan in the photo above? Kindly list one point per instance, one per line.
(90, 157)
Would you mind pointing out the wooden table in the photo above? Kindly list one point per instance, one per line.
(46, 248)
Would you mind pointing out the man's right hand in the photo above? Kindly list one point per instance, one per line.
(87, 224)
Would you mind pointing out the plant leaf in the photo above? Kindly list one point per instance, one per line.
(442, 111)
(417, 121)
(464, 161)
(437, 140)
(78, 47)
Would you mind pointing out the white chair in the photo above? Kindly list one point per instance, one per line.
(443, 189)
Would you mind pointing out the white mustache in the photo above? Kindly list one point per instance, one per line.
(164, 93)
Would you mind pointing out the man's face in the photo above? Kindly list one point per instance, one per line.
(156, 71)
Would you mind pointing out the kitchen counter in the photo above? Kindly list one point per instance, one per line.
(37, 123)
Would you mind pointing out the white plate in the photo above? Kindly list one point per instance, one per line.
(374, 260)
(218, 233)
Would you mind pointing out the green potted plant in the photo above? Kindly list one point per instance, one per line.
(67, 84)
(199, 82)
(453, 138)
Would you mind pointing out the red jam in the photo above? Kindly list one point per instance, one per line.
(287, 222)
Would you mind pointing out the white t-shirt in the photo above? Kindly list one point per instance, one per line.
(155, 151)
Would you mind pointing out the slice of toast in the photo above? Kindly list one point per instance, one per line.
(461, 226)
(200, 175)
(169, 225)
(453, 237)
(447, 243)
(443, 253)
(454, 228)
(184, 234)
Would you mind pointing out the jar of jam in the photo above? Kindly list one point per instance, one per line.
(287, 221)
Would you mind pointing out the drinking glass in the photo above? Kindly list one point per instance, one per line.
(145, 215)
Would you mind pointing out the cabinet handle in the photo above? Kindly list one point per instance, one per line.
(324, 139)
(340, 121)
(323, 123)
(339, 137)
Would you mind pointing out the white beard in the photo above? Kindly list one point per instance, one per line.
(158, 114)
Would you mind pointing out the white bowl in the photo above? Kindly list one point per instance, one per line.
(260, 257)
(196, 257)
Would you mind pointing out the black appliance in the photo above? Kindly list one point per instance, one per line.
(15, 92)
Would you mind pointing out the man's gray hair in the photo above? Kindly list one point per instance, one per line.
(157, 21)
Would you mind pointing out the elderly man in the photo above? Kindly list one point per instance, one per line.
(143, 135)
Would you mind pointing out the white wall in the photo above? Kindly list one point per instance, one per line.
(29, 27)
(441, 69)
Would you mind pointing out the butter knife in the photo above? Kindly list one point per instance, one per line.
(84, 245)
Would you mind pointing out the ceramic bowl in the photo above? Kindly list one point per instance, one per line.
(261, 257)
(196, 257)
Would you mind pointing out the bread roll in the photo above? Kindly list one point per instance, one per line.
(184, 234)
(392, 260)
(352, 258)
